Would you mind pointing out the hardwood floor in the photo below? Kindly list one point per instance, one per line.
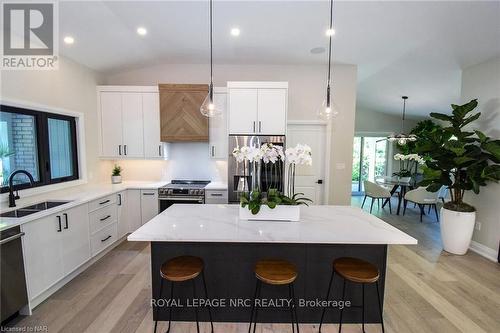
(427, 290)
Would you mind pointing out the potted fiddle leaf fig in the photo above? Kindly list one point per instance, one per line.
(462, 160)
(116, 175)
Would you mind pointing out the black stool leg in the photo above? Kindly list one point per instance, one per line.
(257, 284)
(291, 307)
(327, 297)
(171, 307)
(380, 309)
(295, 308)
(363, 307)
(206, 295)
(196, 308)
(156, 306)
(341, 310)
(257, 308)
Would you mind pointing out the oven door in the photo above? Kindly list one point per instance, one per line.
(164, 203)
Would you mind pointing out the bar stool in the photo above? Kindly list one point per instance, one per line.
(356, 271)
(180, 269)
(275, 272)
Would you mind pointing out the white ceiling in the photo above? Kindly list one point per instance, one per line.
(401, 47)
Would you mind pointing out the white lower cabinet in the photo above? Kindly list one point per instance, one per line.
(134, 210)
(104, 238)
(122, 213)
(149, 205)
(216, 196)
(54, 246)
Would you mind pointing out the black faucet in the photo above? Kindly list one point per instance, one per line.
(12, 197)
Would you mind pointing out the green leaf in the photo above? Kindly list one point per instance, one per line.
(441, 116)
(493, 147)
(491, 172)
(271, 204)
(460, 111)
(470, 119)
(255, 210)
(463, 160)
(434, 187)
(481, 136)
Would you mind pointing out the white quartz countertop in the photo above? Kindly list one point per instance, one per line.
(220, 223)
(215, 185)
(77, 195)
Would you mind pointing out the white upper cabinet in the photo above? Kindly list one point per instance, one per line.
(132, 124)
(111, 123)
(242, 111)
(258, 107)
(217, 127)
(151, 112)
(129, 122)
(272, 105)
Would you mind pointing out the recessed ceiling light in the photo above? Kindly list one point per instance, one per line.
(235, 32)
(69, 40)
(142, 31)
(330, 32)
(318, 50)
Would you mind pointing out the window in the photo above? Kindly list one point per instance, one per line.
(44, 144)
(369, 161)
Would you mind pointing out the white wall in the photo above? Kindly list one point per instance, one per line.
(483, 82)
(71, 87)
(306, 94)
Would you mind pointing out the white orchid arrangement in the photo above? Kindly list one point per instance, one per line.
(270, 154)
(407, 163)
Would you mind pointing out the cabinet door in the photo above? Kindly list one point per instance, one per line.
(75, 238)
(111, 124)
(242, 111)
(122, 214)
(42, 252)
(134, 209)
(151, 115)
(133, 141)
(217, 126)
(272, 105)
(149, 205)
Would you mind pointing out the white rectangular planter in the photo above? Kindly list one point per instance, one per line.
(280, 213)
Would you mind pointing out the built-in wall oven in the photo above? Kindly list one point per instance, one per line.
(181, 192)
(240, 173)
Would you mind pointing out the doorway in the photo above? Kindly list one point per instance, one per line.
(369, 161)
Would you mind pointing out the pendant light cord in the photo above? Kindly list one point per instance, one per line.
(404, 112)
(330, 42)
(211, 55)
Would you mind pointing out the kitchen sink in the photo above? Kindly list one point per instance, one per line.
(32, 209)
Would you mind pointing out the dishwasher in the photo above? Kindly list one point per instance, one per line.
(13, 282)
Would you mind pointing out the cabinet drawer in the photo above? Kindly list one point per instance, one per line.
(215, 196)
(102, 202)
(103, 238)
(102, 217)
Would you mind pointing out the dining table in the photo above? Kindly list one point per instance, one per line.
(395, 183)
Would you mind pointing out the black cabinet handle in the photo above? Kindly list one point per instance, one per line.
(125, 149)
(119, 199)
(105, 239)
(254, 126)
(320, 181)
(59, 224)
(148, 194)
(65, 221)
(213, 151)
(119, 150)
(216, 194)
(104, 202)
(260, 126)
(159, 150)
(105, 218)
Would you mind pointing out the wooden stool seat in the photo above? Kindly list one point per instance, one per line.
(356, 270)
(181, 268)
(275, 271)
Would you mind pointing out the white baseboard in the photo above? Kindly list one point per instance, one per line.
(484, 251)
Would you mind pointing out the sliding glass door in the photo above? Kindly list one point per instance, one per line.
(369, 161)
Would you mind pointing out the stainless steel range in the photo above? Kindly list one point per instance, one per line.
(182, 192)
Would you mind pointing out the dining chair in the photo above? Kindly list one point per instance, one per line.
(375, 191)
(422, 197)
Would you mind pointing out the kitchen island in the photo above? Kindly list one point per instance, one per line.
(230, 247)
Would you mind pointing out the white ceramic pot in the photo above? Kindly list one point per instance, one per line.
(116, 179)
(456, 230)
(279, 213)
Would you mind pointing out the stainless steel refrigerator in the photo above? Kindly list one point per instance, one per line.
(240, 174)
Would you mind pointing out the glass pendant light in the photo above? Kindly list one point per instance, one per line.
(208, 107)
(328, 109)
(402, 138)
